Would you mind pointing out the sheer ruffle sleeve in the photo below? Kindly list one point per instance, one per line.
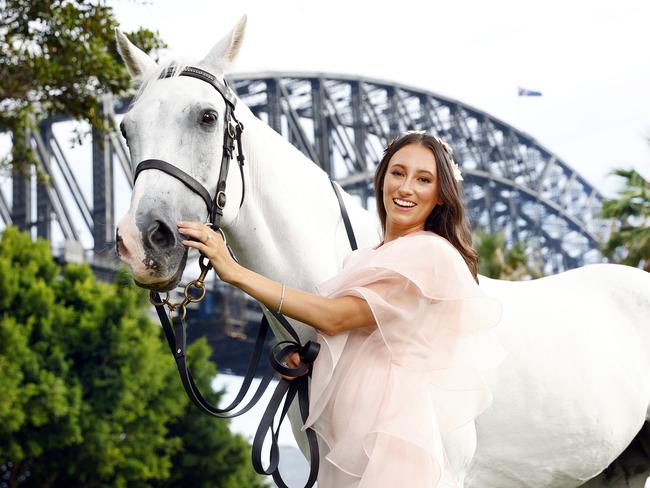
(385, 400)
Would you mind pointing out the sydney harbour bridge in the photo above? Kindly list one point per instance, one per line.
(512, 184)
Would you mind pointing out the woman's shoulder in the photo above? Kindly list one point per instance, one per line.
(426, 259)
(429, 260)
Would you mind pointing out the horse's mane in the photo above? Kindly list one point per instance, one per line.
(153, 76)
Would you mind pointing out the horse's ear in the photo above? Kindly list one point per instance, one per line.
(137, 61)
(223, 54)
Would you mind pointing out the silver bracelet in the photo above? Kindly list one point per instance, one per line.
(281, 299)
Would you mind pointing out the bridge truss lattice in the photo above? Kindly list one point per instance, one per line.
(512, 184)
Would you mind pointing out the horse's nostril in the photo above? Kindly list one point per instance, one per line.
(160, 235)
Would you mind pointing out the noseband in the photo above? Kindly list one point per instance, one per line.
(231, 134)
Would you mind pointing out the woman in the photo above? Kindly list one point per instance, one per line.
(419, 329)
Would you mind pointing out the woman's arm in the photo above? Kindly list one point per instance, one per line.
(328, 315)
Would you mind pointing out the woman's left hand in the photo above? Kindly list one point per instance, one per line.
(211, 245)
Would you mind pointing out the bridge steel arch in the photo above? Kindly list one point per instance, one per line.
(512, 184)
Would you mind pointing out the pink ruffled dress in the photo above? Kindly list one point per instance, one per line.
(383, 398)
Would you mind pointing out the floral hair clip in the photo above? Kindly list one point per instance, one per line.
(456, 170)
(450, 152)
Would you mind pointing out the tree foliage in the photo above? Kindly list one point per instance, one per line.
(90, 395)
(631, 209)
(58, 57)
(495, 261)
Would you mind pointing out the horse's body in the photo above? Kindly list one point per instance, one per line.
(573, 391)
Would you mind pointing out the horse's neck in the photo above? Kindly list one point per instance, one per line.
(289, 214)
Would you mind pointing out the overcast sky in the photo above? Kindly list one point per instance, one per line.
(590, 59)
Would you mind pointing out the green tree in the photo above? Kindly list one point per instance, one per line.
(58, 57)
(90, 395)
(497, 262)
(193, 466)
(631, 211)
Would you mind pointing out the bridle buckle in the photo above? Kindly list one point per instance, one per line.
(220, 199)
(232, 128)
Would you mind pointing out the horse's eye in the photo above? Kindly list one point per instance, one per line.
(209, 117)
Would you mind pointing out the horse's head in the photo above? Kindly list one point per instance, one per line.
(179, 120)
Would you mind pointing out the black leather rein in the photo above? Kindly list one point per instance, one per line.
(174, 325)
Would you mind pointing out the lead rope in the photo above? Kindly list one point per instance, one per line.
(174, 327)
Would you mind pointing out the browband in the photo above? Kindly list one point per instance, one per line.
(223, 88)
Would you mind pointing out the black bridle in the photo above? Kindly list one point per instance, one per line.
(174, 325)
(232, 133)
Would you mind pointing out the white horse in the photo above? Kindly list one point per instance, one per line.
(575, 388)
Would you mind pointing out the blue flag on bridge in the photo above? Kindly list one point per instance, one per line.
(524, 92)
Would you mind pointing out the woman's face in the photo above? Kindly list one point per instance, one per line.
(411, 189)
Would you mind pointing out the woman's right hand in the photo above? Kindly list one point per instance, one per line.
(292, 361)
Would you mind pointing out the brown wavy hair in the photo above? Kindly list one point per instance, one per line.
(447, 219)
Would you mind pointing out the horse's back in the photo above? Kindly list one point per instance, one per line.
(604, 287)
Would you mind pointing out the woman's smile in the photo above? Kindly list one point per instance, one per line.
(403, 204)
